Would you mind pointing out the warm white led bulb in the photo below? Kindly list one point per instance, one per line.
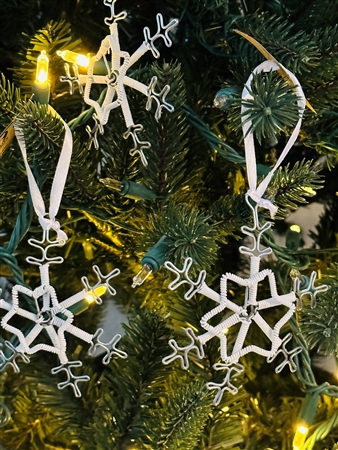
(300, 437)
(42, 67)
(295, 228)
(91, 295)
(74, 58)
(142, 275)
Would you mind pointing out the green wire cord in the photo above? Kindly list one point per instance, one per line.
(321, 431)
(21, 227)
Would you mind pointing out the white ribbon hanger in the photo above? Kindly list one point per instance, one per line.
(58, 184)
(257, 192)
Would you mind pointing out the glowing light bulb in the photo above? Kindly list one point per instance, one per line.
(41, 86)
(142, 275)
(300, 437)
(91, 295)
(74, 58)
(112, 184)
(42, 76)
(42, 68)
(293, 237)
(295, 228)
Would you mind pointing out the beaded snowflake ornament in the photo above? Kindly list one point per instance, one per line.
(252, 311)
(115, 79)
(48, 319)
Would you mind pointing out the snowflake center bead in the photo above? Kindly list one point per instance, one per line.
(45, 317)
(247, 313)
(112, 78)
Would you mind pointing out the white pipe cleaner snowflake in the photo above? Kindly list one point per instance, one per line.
(251, 312)
(116, 79)
(53, 319)
(49, 318)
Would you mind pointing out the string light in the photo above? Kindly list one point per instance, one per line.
(83, 61)
(295, 228)
(305, 419)
(88, 299)
(129, 189)
(41, 85)
(97, 292)
(74, 58)
(152, 260)
(42, 67)
(142, 275)
(293, 237)
(300, 437)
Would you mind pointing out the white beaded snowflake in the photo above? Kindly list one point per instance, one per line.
(244, 316)
(53, 319)
(116, 79)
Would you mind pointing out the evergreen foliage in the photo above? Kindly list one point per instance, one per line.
(197, 177)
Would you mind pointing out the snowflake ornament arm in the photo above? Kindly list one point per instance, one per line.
(225, 385)
(303, 287)
(289, 355)
(184, 278)
(139, 145)
(113, 17)
(10, 360)
(183, 352)
(110, 347)
(103, 280)
(72, 380)
(93, 133)
(116, 78)
(72, 80)
(158, 97)
(166, 38)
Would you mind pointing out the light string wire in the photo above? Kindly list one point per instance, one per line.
(306, 376)
(322, 430)
(224, 149)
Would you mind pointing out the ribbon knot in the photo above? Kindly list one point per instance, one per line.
(263, 202)
(53, 224)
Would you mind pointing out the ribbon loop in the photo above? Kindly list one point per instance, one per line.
(257, 192)
(58, 184)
